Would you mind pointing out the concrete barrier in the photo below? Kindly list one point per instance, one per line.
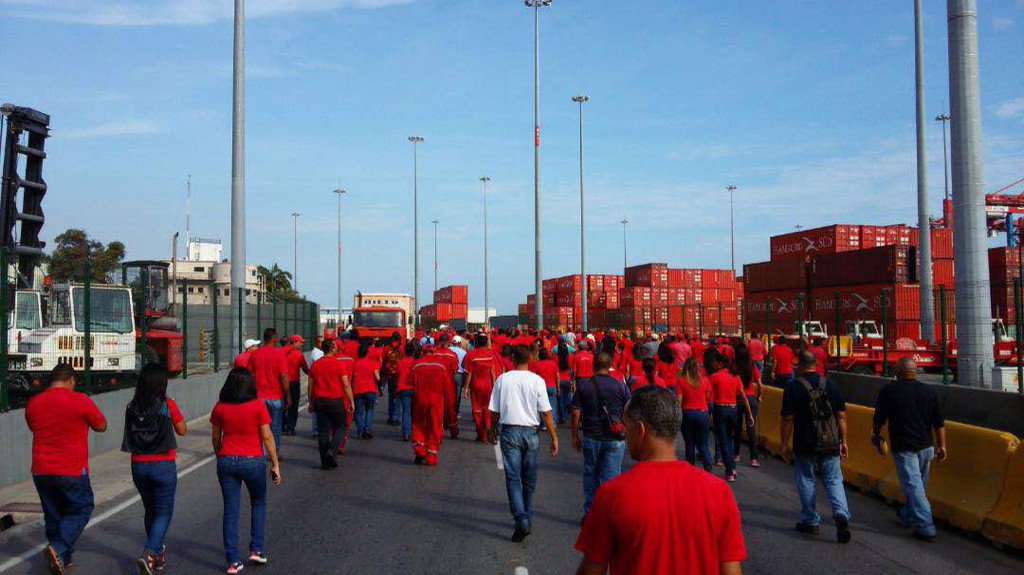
(1005, 523)
(768, 419)
(865, 468)
(964, 489)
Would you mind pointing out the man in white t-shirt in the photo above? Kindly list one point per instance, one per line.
(518, 403)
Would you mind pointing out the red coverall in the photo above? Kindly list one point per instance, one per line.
(482, 366)
(451, 418)
(432, 403)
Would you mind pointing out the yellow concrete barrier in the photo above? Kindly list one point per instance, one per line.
(965, 488)
(1005, 523)
(865, 468)
(768, 419)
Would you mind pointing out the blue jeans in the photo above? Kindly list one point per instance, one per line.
(156, 482)
(275, 408)
(602, 461)
(725, 427)
(696, 430)
(831, 479)
(759, 364)
(553, 397)
(365, 403)
(392, 384)
(783, 381)
(460, 381)
(67, 505)
(519, 446)
(291, 415)
(912, 469)
(404, 402)
(564, 398)
(232, 471)
(751, 432)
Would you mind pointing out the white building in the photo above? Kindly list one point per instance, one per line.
(329, 316)
(209, 277)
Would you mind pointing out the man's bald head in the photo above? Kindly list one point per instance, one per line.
(806, 360)
(906, 368)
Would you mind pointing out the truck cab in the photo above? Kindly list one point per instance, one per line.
(810, 329)
(379, 322)
(999, 332)
(27, 315)
(864, 333)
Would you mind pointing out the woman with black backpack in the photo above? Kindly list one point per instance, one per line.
(150, 422)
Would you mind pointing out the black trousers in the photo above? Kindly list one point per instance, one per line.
(330, 428)
(291, 417)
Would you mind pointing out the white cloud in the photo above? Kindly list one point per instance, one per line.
(1011, 109)
(1002, 23)
(171, 12)
(129, 128)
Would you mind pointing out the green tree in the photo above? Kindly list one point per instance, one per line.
(74, 247)
(278, 283)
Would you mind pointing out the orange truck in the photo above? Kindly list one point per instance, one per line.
(381, 315)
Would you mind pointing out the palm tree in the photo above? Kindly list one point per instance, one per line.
(276, 280)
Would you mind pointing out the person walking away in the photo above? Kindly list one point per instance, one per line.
(547, 369)
(583, 362)
(820, 355)
(680, 350)
(482, 369)
(694, 398)
(315, 353)
(403, 389)
(697, 349)
(917, 434)
(347, 364)
(814, 414)
(505, 359)
(563, 354)
(60, 419)
(650, 347)
(389, 373)
(691, 526)
(241, 434)
(634, 364)
(667, 368)
(242, 359)
(330, 399)
(446, 354)
(296, 367)
(782, 363)
(726, 396)
(649, 376)
(519, 402)
(757, 352)
(597, 413)
(151, 420)
(750, 377)
(460, 374)
(270, 372)
(364, 388)
(432, 386)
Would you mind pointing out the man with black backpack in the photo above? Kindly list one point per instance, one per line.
(814, 414)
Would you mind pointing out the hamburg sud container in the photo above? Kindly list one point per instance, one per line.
(829, 239)
(775, 275)
(889, 264)
(781, 308)
(864, 302)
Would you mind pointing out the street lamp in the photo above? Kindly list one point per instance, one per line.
(295, 251)
(625, 264)
(944, 118)
(580, 99)
(238, 278)
(435, 253)
(537, 282)
(487, 304)
(415, 230)
(732, 233)
(339, 191)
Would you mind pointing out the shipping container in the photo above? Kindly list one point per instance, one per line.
(775, 275)
(549, 285)
(889, 264)
(569, 283)
(781, 308)
(714, 279)
(635, 297)
(647, 275)
(829, 239)
(942, 273)
(864, 302)
(569, 299)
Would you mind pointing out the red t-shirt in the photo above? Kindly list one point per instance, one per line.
(481, 364)
(641, 381)
(325, 378)
(725, 387)
(364, 380)
(820, 356)
(782, 359)
(583, 364)
(667, 371)
(697, 349)
(296, 364)
(548, 370)
(691, 527)
(242, 359)
(756, 348)
(404, 367)
(176, 418)
(60, 420)
(505, 363)
(240, 425)
(350, 347)
(695, 399)
(751, 389)
(267, 365)
(635, 366)
(727, 351)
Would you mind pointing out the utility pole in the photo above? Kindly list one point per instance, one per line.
(580, 99)
(188, 214)
(972, 298)
(625, 262)
(944, 118)
(537, 279)
(435, 253)
(487, 294)
(295, 251)
(238, 172)
(415, 230)
(732, 233)
(339, 192)
(924, 236)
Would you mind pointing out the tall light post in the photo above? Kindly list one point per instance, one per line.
(415, 230)
(924, 240)
(238, 172)
(625, 262)
(435, 253)
(580, 99)
(339, 192)
(732, 229)
(944, 118)
(537, 280)
(487, 294)
(295, 251)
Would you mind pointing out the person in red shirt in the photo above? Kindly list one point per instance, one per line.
(547, 369)
(433, 386)
(350, 344)
(750, 377)
(348, 368)
(451, 359)
(482, 369)
(240, 430)
(820, 355)
(692, 527)
(667, 366)
(697, 350)
(60, 419)
(269, 368)
(726, 395)
(505, 359)
(242, 359)
(782, 362)
(563, 358)
(403, 389)
(296, 366)
(154, 471)
(757, 351)
(695, 397)
(583, 362)
(330, 398)
(365, 390)
(648, 375)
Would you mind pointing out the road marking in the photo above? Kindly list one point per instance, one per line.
(498, 458)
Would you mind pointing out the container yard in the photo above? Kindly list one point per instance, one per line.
(449, 303)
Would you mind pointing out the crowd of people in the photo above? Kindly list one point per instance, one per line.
(616, 392)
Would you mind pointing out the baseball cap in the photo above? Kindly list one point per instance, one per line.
(250, 343)
(457, 339)
(297, 339)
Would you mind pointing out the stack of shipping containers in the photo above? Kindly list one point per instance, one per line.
(451, 302)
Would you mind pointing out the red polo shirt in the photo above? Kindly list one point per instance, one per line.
(60, 420)
(267, 365)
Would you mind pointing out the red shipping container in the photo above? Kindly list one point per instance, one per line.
(659, 316)
(550, 299)
(675, 316)
(888, 264)
(595, 283)
(675, 278)
(442, 296)
(569, 299)
(781, 307)
(460, 294)
(864, 302)
(659, 296)
(676, 296)
(549, 285)
(829, 239)
(647, 275)
(635, 297)
(570, 283)
(523, 309)
(460, 311)
(942, 273)
(775, 275)
(1003, 305)
(942, 243)
(531, 300)
(444, 311)
(713, 296)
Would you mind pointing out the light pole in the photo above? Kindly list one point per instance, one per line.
(924, 241)
(238, 171)
(415, 230)
(580, 99)
(945, 153)
(625, 263)
(339, 192)
(732, 230)
(537, 281)
(487, 294)
(435, 253)
(295, 251)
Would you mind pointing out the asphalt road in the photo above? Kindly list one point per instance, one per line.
(378, 513)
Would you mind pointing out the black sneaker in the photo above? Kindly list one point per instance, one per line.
(420, 460)
(922, 537)
(843, 534)
(807, 528)
(406, 438)
(521, 533)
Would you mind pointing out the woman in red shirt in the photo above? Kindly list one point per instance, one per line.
(726, 395)
(365, 389)
(694, 397)
(563, 357)
(547, 369)
(403, 388)
(649, 376)
(240, 429)
(750, 377)
(667, 366)
(154, 470)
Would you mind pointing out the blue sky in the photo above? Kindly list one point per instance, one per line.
(807, 106)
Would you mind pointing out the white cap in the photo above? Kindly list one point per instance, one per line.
(457, 339)
(654, 336)
(250, 343)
